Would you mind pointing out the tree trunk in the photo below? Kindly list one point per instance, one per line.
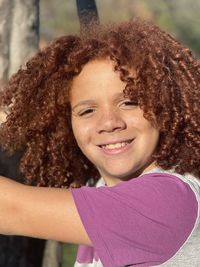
(25, 19)
(19, 24)
(52, 254)
(5, 13)
(19, 34)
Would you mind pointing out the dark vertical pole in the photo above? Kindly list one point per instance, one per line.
(87, 12)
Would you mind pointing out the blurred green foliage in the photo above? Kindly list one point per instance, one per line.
(69, 255)
(181, 17)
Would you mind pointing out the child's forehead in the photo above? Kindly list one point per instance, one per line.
(97, 73)
(105, 66)
(96, 79)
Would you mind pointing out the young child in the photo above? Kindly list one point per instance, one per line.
(121, 103)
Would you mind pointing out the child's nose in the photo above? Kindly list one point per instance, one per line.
(110, 122)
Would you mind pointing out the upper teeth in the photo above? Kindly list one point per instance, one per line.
(117, 145)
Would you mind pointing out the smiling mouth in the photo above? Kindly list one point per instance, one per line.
(117, 145)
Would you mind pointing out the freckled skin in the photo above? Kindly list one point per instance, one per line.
(101, 116)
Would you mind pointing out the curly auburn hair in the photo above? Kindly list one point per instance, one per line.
(166, 87)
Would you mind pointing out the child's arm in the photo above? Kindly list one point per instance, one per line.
(48, 213)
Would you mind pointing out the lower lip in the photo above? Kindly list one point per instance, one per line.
(117, 151)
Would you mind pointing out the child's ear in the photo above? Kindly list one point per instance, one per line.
(2, 116)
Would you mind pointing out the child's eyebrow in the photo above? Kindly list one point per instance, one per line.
(83, 103)
(120, 96)
(117, 96)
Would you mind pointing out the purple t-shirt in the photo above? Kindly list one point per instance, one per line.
(142, 222)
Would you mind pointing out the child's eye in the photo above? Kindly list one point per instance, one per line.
(86, 112)
(128, 103)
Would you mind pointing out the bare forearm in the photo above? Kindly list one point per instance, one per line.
(8, 205)
(48, 213)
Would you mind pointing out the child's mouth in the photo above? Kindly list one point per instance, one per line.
(116, 147)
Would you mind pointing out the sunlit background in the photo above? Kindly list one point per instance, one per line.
(181, 17)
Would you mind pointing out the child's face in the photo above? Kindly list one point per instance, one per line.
(109, 129)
